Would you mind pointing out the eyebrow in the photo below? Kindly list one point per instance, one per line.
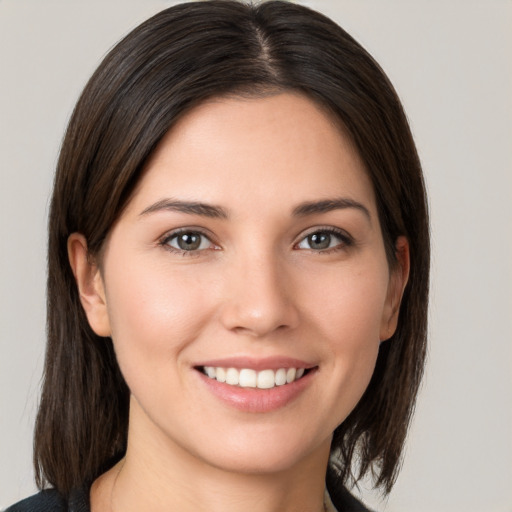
(327, 205)
(190, 207)
(217, 212)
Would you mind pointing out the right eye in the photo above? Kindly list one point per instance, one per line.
(188, 241)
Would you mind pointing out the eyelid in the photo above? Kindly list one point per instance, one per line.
(164, 239)
(346, 238)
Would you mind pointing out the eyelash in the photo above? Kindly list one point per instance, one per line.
(346, 241)
(165, 242)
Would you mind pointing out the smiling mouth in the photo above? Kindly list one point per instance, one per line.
(249, 378)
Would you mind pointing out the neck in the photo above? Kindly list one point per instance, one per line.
(160, 475)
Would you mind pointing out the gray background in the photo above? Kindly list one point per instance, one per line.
(451, 64)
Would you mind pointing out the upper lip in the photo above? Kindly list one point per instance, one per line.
(258, 364)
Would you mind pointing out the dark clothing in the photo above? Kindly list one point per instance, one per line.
(50, 501)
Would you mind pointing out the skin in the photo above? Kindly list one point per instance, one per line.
(256, 288)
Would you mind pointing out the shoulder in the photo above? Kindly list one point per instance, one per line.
(49, 500)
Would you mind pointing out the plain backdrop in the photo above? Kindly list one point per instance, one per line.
(451, 62)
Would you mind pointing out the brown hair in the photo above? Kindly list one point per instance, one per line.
(157, 73)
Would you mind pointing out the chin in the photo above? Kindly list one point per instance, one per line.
(265, 452)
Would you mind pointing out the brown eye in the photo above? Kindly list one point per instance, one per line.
(319, 240)
(322, 240)
(188, 241)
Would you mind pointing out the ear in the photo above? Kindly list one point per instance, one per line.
(90, 284)
(397, 282)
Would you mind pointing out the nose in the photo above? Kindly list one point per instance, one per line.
(259, 297)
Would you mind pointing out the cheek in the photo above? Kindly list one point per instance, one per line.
(154, 315)
(346, 313)
(348, 303)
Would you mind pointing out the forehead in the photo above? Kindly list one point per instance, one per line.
(280, 148)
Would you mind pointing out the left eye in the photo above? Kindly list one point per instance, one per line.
(322, 240)
(189, 241)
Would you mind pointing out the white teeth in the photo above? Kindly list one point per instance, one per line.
(266, 379)
(220, 374)
(232, 376)
(290, 375)
(280, 377)
(248, 378)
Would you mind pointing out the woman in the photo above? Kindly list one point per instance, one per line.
(238, 271)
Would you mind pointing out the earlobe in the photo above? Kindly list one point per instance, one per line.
(397, 283)
(90, 285)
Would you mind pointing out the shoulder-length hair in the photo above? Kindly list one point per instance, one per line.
(160, 71)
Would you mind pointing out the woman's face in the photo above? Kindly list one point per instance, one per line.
(250, 252)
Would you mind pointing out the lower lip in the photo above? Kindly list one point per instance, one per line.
(257, 400)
